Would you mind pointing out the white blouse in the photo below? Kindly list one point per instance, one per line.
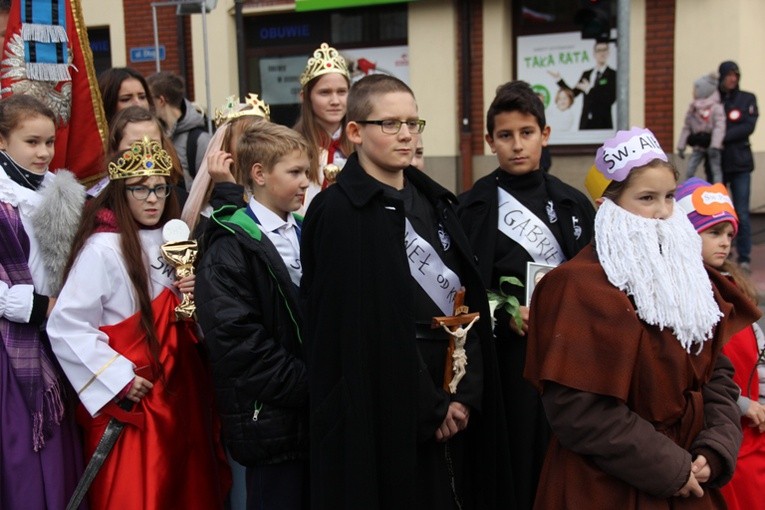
(16, 301)
(98, 292)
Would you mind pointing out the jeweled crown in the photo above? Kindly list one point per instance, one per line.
(233, 109)
(143, 159)
(326, 59)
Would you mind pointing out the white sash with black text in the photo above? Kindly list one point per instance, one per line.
(526, 229)
(436, 279)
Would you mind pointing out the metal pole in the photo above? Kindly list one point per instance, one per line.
(465, 180)
(207, 66)
(202, 8)
(623, 74)
(180, 29)
(156, 34)
(240, 49)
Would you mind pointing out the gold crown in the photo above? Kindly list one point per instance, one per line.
(232, 109)
(325, 60)
(143, 159)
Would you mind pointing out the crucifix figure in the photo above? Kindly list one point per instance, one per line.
(456, 357)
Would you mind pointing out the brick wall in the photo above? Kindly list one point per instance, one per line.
(476, 114)
(660, 70)
(471, 142)
(139, 32)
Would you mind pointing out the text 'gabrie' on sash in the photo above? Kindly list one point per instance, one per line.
(521, 225)
(438, 281)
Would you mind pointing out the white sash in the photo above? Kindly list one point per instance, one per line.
(526, 229)
(426, 267)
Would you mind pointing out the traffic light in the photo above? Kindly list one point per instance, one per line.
(594, 18)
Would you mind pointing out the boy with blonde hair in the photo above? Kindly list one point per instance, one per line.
(248, 279)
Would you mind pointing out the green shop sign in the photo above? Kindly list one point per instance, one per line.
(317, 5)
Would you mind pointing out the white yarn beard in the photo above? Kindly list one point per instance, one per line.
(659, 264)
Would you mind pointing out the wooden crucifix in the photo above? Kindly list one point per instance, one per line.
(456, 357)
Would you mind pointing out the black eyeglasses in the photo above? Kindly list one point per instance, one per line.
(393, 126)
(142, 192)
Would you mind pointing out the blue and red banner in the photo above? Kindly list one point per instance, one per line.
(47, 55)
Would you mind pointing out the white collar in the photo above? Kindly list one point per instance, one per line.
(269, 220)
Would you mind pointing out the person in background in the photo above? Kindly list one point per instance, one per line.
(704, 128)
(122, 87)
(325, 83)
(219, 181)
(737, 160)
(184, 124)
(710, 210)
(418, 160)
(130, 125)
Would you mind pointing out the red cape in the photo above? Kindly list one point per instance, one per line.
(169, 455)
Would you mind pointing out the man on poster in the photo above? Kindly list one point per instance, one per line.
(598, 86)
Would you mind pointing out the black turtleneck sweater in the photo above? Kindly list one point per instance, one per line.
(510, 258)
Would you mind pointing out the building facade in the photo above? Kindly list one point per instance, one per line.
(453, 53)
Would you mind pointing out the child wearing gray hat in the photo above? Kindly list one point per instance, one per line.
(704, 128)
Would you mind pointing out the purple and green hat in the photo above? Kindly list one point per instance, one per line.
(706, 204)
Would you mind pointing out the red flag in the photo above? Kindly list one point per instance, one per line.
(82, 130)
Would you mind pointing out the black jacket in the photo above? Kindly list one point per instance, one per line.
(527, 429)
(478, 214)
(368, 388)
(248, 310)
(740, 119)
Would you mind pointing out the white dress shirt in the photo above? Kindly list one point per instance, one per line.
(284, 234)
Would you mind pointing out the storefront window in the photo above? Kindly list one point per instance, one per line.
(101, 48)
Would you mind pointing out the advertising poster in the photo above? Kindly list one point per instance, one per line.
(576, 80)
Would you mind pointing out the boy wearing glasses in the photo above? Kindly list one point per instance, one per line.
(248, 280)
(383, 253)
(516, 215)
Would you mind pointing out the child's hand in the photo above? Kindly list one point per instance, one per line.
(139, 389)
(700, 469)
(219, 167)
(51, 304)
(691, 488)
(525, 316)
(457, 417)
(186, 285)
(756, 413)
